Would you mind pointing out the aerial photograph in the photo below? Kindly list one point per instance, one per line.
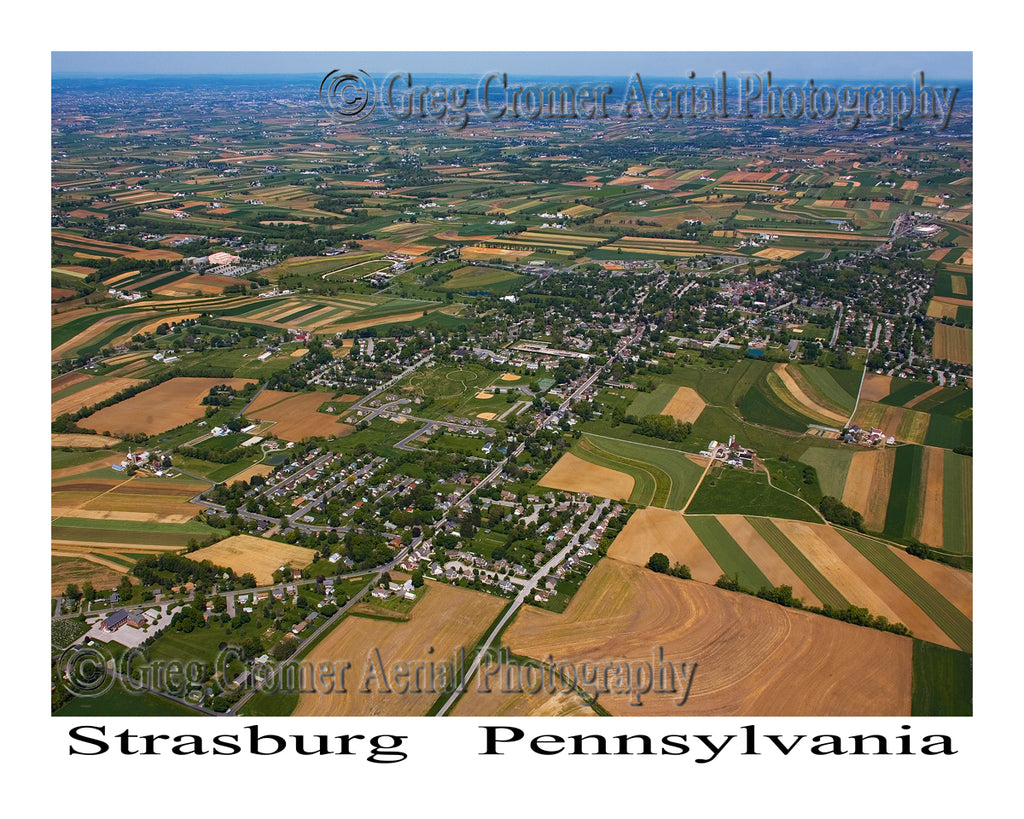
(459, 384)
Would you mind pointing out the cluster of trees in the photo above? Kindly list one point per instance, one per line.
(836, 512)
(166, 569)
(664, 427)
(659, 562)
(783, 595)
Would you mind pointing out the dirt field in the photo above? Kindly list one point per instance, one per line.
(262, 557)
(660, 530)
(753, 658)
(766, 558)
(868, 482)
(573, 474)
(875, 387)
(295, 415)
(686, 405)
(928, 527)
(953, 343)
(487, 416)
(445, 619)
(510, 377)
(160, 408)
(103, 388)
(81, 441)
(485, 395)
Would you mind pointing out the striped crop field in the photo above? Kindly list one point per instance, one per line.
(799, 563)
(728, 554)
(944, 614)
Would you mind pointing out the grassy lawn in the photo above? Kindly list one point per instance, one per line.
(729, 491)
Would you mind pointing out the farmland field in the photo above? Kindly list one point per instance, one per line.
(753, 658)
(573, 474)
(262, 557)
(295, 415)
(445, 619)
(160, 408)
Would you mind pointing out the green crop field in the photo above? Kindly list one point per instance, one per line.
(943, 683)
(798, 562)
(675, 475)
(943, 613)
(902, 511)
(728, 554)
(728, 491)
(957, 503)
(832, 465)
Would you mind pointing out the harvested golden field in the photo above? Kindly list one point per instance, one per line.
(251, 472)
(868, 483)
(661, 530)
(102, 389)
(482, 254)
(573, 474)
(928, 527)
(907, 425)
(767, 559)
(859, 580)
(81, 440)
(152, 500)
(295, 415)
(875, 387)
(65, 569)
(753, 658)
(160, 408)
(501, 697)
(685, 405)
(775, 253)
(942, 309)
(262, 557)
(446, 618)
(953, 343)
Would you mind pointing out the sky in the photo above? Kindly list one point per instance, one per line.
(883, 65)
